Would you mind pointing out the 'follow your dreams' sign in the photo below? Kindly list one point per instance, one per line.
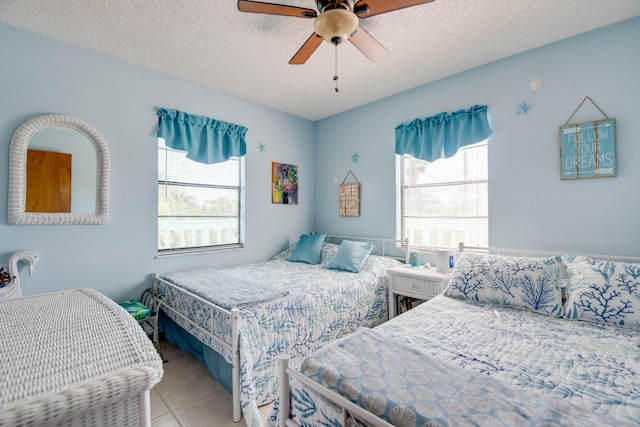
(588, 150)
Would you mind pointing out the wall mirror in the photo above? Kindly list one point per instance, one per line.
(89, 198)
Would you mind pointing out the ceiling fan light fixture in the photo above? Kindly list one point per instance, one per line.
(336, 25)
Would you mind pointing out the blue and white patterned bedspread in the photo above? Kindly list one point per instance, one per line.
(591, 366)
(321, 306)
(224, 289)
(407, 388)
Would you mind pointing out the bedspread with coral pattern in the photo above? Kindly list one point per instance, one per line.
(591, 366)
(322, 305)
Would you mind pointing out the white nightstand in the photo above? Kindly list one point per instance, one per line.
(415, 282)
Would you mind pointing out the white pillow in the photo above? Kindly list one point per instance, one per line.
(603, 291)
(530, 283)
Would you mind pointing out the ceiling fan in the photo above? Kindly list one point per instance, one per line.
(336, 22)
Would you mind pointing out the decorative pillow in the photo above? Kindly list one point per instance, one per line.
(284, 254)
(603, 291)
(308, 248)
(350, 256)
(328, 251)
(529, 283)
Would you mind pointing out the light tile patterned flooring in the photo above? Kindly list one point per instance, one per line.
(188, 397)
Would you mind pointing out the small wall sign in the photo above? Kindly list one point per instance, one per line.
(349, 197)
(588, 149)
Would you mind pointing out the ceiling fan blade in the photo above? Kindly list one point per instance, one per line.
(368, 45)
(306, 50)
(367, 8)
(275, 9)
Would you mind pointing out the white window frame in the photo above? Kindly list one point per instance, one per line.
(169, 234)
(477, 227)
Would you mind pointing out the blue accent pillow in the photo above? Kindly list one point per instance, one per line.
(308, 248)
(350, 256)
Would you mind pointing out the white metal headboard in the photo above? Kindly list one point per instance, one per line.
(529, 252)
(393, 248)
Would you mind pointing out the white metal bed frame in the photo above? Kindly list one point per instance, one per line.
(400, 251)
(232, 346)
(351, 409)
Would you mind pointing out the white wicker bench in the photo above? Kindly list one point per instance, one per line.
(74, 358)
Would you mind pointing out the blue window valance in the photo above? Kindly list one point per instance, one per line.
(441, 136)
(205, 140)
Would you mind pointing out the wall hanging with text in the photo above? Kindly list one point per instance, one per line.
(349, 197)
(588, 149)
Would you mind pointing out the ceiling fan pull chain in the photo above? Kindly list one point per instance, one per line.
(335, 77)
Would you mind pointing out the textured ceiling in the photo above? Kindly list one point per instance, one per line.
(211, 43)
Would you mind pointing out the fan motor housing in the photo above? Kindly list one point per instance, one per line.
(334, 4)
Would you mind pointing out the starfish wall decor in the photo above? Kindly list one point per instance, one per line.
(523, 108)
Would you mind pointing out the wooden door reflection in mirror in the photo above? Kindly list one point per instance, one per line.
(48, 181)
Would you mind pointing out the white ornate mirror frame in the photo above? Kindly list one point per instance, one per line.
(17, 214)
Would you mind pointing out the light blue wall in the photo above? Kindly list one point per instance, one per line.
(41, 75)
(529, 206)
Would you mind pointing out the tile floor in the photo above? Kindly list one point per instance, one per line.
(188, 397)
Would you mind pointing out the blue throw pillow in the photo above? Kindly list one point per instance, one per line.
(350, 256)
(308, 248)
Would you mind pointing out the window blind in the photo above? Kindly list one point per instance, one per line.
(199, 205)
(445, 202)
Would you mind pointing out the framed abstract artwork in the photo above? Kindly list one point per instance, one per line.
(284, 184)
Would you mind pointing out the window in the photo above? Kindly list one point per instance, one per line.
(199, 205)
(445, 202)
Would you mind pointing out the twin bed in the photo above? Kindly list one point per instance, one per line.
(512, 341)
(239, 320)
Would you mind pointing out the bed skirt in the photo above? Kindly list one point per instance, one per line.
(219, 369)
